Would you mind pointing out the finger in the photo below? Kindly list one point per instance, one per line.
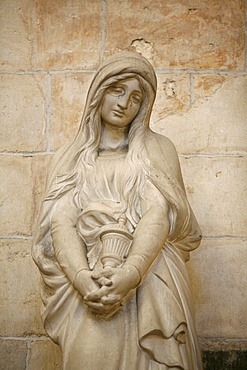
(103, 310)
(95, 305)
(104, 281)
(100, 308)
(111, 310)
(97, 295)
(110, 299)
(107, 272)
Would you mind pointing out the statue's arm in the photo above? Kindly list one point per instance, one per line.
(151, 232)
(69, 248)
(149, 238)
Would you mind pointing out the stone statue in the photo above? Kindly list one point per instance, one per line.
(114, 233)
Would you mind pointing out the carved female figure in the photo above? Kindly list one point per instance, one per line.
(118, 177)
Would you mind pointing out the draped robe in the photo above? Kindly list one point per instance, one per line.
(166, 341)
(154, 329)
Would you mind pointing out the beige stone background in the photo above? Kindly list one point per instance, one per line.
(50, 50)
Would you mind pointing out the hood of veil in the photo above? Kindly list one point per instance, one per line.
(61, 176)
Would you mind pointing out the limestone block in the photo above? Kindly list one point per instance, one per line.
(15, 46)
(16, 195)
(173, 96)
(216, 123)
(23, 106)
(64, 35)
(13, 354)
(218, 278)
(44, 355)
(20, 313)
(67, 103)
(179, 34)
(40, 164)
(216, 188)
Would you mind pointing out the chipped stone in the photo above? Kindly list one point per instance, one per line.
(180, 35)
(173, 97)
(215, 124)
(145, 48)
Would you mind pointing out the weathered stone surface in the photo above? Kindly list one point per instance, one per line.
(218, 276)
(216, 188)
(179, 34)
(206, 85)
(13, 354)
(15, 46)
(67, 103)
(173, 96)
(216, 124)
(64, 35)
(16, 195)
(23, 106)
(19, 290)
(44, 355)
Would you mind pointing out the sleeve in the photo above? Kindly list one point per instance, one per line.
(69, 248)
(151, 232)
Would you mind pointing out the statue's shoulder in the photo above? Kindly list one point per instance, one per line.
(166, 145)
(162, 150)
(52, 167)
(57, 156)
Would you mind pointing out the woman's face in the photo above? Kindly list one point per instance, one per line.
(121, 103)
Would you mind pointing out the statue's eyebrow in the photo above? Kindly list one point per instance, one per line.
(121, 84)
(138, 92)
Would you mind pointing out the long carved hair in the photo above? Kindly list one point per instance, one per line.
(133, 174)
(82, 152)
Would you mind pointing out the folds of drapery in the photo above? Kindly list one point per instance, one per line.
(165, 319)
(166, 329)
(165, 314)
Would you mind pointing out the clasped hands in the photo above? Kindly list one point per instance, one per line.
(103, 291)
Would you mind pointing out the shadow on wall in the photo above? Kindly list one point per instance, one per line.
(224, 360)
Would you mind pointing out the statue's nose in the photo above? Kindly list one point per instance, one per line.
(123, 101)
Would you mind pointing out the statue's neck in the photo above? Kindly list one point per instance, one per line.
(114, 138)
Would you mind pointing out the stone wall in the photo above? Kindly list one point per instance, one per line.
(50, 50)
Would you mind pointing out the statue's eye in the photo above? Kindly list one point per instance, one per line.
(116, 90)
(136, 99)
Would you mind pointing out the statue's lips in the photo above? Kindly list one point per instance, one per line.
(119, 113)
